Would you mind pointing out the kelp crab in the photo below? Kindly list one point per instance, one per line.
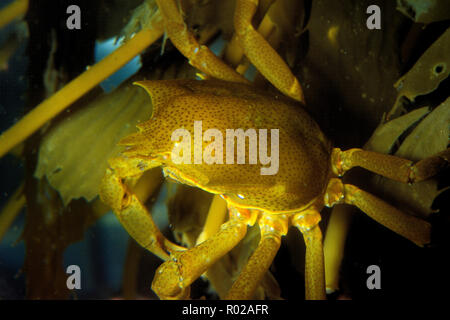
(308, 180)
(141, 40)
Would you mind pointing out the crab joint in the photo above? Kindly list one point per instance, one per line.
(173, 277)
(306, 220)
(335, 192)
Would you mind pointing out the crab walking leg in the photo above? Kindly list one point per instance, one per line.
(272, 228)
(76, 88)
(216, 216)
(389, 166)
(261, 54)
(234, 52)
(410, 227)
(129, 210)
(173, 278)
(13, 11)
(308, 224)
(200, 56)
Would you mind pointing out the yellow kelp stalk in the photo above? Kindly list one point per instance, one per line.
(11, 210)
(13, 11)
(78, 87)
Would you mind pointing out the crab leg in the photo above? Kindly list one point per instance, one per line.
(389, 166)
(272, 228)
(410, 227)
(199, 56)
(261, 54)
(234, 52)
(308, 223)
(131, 213)
(173, 278)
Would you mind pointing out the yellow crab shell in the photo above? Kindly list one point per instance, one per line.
(304, 151)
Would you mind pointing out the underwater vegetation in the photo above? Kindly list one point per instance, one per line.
(72, 151)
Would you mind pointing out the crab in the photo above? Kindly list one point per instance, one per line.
(308, 179)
